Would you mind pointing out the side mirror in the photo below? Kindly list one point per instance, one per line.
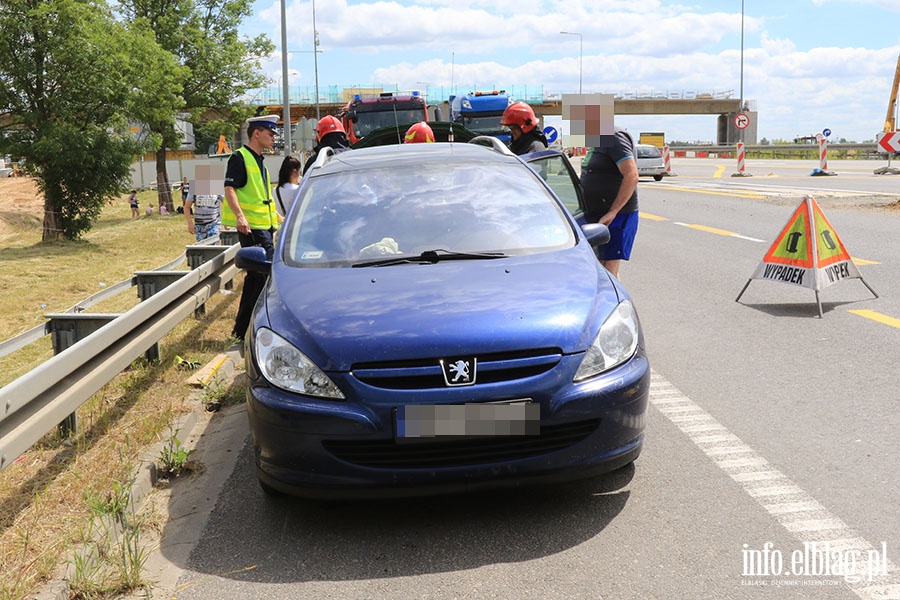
(596, 234)
(254, 260)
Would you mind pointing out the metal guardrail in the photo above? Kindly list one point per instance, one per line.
(35, 403)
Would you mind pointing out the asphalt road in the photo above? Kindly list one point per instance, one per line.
(770, 430)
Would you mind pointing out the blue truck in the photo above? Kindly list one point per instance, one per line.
(480, 112)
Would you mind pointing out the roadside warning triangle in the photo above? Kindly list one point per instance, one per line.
(796, 245)
(808, 253)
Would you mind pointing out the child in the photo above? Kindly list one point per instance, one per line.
(133, 202)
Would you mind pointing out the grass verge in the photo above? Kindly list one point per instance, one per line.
(62, 492)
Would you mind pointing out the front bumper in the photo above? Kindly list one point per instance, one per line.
(319, 448)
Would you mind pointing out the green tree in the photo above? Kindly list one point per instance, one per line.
(219, 65)
(62, 106)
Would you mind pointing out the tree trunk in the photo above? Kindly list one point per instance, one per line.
(53, 225)
(163, 187)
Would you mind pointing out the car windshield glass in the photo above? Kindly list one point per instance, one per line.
(648, 152)
(480, 124)
(404, 210)
(370, 121)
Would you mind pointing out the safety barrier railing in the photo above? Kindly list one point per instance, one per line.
(90, 349)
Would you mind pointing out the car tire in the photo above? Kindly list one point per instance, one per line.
(657, 177)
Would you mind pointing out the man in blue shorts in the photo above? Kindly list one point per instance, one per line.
(609, 177)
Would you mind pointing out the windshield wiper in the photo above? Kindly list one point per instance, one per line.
(432, 256)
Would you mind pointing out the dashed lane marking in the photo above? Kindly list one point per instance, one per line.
(718, 231)
(798, 512)
(876, 316)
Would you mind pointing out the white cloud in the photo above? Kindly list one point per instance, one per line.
(801, 74)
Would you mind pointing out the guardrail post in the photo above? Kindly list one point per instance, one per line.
(65, 330)
(149, 283)
(229, 237)
(197, 255)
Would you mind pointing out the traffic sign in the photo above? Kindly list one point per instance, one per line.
(551, 133)
(741, 120)
(889, 141)
(826, 132)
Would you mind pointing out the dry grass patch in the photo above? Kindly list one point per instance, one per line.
(49, 497)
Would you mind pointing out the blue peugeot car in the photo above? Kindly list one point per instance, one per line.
(436, 320)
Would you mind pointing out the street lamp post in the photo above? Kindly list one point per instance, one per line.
(316, 56)
(741, 172)
(741, 106)
(286, 99)
(580, 54)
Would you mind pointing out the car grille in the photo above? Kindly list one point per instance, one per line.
(389, 454)
(426, 373)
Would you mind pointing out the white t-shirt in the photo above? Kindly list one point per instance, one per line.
(284, 196)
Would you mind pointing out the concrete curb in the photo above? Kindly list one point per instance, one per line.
(222, 369)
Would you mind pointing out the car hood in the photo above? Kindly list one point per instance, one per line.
(341, 317)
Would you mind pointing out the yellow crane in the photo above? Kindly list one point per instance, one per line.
(890, 122)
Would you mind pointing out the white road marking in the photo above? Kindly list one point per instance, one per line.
(798, 512)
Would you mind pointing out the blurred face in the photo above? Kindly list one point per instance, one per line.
(515, 131)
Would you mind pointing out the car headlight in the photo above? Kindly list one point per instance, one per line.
(615, 343)
(284, 366)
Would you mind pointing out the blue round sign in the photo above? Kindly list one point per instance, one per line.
(826, 132)
(551, 133)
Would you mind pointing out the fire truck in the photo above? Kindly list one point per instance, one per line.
(361, 116)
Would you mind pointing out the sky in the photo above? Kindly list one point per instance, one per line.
(808, 65)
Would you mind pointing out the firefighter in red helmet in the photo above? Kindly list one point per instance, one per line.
(522, 123)
(329, 132)
(419, 133)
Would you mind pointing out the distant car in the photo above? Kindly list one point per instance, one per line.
(436, 320)
(650, 161)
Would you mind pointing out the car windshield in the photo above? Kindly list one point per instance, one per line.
(370, 121)
(464, 212)
(648, 152)
(485, 123)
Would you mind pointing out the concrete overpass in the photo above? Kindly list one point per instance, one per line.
(704, 104)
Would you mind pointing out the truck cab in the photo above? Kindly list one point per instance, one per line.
(480, 112)
(362, 116)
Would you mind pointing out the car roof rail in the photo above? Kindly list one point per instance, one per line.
(324, 155)
(494, 143)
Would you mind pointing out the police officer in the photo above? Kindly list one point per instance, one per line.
(249, 207)
(526, 137)
(329, 133)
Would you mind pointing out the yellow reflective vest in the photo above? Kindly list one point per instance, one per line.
(255, 198)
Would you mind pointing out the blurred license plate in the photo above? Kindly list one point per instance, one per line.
(468, 420)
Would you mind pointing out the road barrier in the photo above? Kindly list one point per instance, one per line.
(667, 160)
(91, 349)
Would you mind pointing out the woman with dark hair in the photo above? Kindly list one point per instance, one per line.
(288, 183)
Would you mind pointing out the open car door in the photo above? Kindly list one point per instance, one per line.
(554, 167)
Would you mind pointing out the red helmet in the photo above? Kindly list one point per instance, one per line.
(328, 124)
(521, 114)
(419, 132)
